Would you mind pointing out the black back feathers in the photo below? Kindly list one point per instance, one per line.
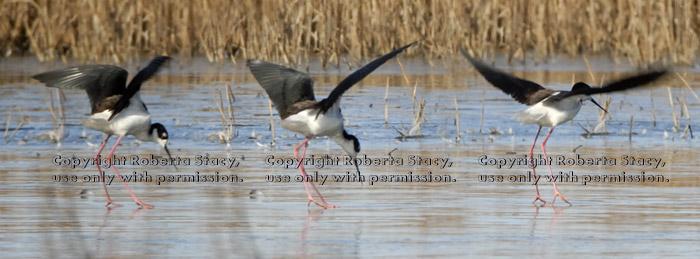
(530, 93)
(292, 91)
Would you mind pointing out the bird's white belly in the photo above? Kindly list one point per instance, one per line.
(549, 116)
(306, 123)
(130, 121)
(132, 124)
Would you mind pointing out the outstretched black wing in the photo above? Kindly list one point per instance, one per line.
(284, 86)
(135, 84)
(619, 85)
(523, 91)
(356, 76)
(99, 81)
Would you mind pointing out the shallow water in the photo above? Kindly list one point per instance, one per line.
(460, 213)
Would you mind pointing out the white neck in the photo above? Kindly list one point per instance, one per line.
(150, 135)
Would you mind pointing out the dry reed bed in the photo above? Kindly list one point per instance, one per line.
(292, 31)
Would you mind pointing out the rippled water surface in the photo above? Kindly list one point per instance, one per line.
(470, 193)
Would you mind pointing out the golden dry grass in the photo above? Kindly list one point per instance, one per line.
(292, 31)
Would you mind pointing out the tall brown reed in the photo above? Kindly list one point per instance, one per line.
(58, 116)
(641, 32)
(227, 122)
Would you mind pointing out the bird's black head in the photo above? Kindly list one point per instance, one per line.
(355, 141)
(351, 145)
(160, 135)
(580, 86)
(583, 86)
(158, 132)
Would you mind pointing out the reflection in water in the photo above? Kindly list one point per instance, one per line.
(314, 215)
(463, 218)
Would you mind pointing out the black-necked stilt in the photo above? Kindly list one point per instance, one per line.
(117, 109)
(293, 95)
(549, 108)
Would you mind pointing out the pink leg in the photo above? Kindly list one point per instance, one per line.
(301, 165)
(296, 150)
(99, 171)
(534, 175)
(122, 179)
(323, 202)
(556, 191)
(301, 160)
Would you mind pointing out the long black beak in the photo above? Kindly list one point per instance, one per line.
(169, 156)
(596, 103)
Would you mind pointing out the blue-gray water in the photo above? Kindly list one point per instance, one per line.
(463, 216)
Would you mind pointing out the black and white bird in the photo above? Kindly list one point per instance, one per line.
(117, 109)
(549, 108)
(292, 94)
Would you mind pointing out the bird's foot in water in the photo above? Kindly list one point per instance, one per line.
(557, 193)
(323, 204)
(110, 202)
(143, 205)
(538, 198)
